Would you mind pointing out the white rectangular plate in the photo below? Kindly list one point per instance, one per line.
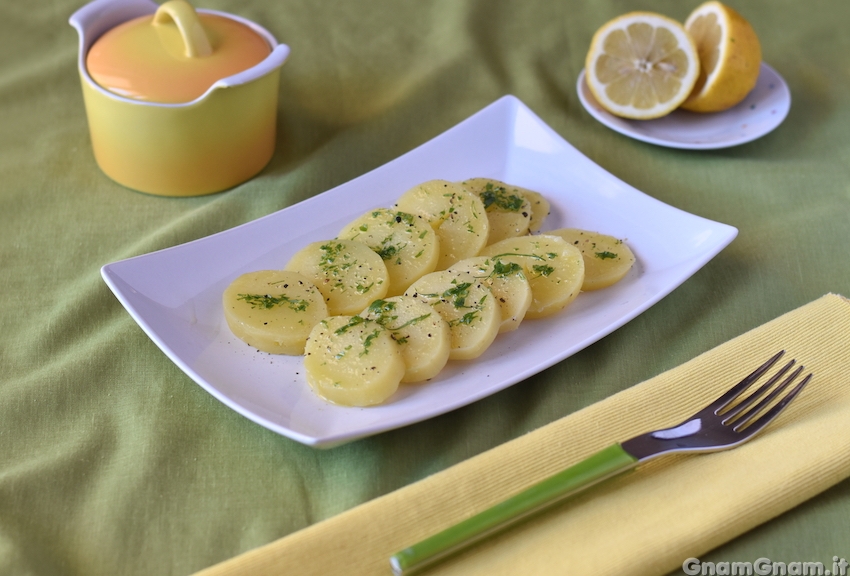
(175, 294)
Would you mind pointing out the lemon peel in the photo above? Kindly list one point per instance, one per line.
(730, 57)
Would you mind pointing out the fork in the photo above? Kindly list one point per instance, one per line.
(727, 422)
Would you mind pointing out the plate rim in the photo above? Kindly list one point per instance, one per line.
(605, 118)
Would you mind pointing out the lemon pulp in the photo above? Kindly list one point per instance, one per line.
(641, 65)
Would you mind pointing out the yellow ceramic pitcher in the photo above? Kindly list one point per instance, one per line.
(155, 142)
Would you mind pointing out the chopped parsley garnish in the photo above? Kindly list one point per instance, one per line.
(466, 319)
(458, 294)
(355, 321)
(383, 312)
(387, 251)
(368, 341)
(267, 301)
(499, 197)
(504, 269)
(330, 253)
(342, 353)
(605, 255)
(410, 322)
(381, 307)
(535, 256)
(542, 269)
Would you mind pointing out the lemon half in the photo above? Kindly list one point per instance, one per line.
(730, 57)
(641, 65)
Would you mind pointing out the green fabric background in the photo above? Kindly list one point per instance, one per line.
(112, 461)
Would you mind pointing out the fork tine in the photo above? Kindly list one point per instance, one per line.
(730, 414)
(746, 411)
(751, 428)
(735, 391)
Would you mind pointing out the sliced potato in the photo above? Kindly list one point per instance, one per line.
(456, 215)
(348, 273)
(432, 200)
(407, 244)
(540, 209)
(554, 268)
(421, 333)
(466, 304)
(606, 259)
(353, 361)
(506, 281)
(508, 210)
(273, 310)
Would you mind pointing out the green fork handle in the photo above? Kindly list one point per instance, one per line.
(604, 464)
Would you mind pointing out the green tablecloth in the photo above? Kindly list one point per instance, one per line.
(112, 461)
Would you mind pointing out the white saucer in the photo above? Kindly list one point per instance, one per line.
(758, 114)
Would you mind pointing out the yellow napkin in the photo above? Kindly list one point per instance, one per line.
(647, 521)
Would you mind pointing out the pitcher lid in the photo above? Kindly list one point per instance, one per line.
(173, 56)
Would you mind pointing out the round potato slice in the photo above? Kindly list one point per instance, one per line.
(348, 273)
(457, 216)
(273, 310)
(352, 361)
(606, 259)
(554, 268)
(421, 333)
(507, 282)
(508, 210)
(405, 242)
(466, 304)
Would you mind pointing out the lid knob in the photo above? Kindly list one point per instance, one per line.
(195, 40)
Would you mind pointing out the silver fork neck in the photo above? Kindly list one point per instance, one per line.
(689, 436)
